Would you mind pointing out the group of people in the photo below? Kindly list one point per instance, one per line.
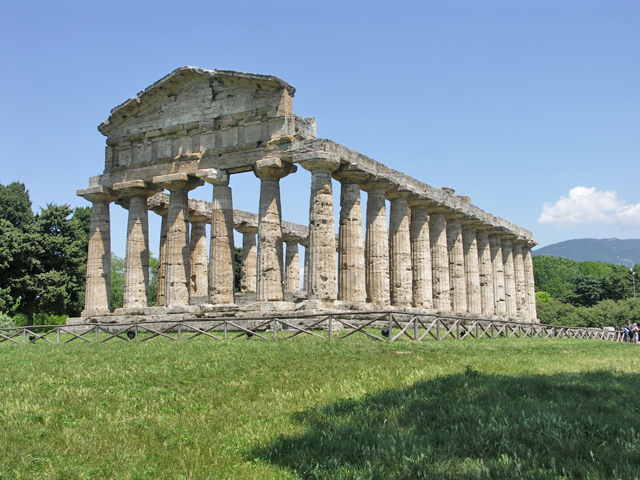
(631, 332)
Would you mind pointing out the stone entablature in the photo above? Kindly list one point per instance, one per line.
(432, 250)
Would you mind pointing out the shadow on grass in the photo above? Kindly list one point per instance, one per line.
(472, 425)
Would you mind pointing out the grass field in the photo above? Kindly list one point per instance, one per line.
(305, 408)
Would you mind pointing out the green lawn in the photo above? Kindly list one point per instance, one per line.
(307, 408)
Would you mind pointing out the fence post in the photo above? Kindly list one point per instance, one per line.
(330, 326)
(136, 332)
(438, 329)
(457, 329)
(390, 327)
(97, 333)
(415, 329)
(179, 331)
(24, 335)
(275, 328)
(58, 335)
(225, 330)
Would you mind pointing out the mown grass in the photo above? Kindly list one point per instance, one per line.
(306, 408)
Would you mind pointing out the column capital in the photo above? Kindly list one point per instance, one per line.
(98, 194)
(304, 241)
(377, 185)
(318, 161)
(395, 194)
(134, 188)
(247, 228)
(469, 222)
(214, 176)
(291, 238)
(273, 168)
(347, 174)
(177, 181)
(196, 217)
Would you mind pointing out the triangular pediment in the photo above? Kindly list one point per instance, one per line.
(191, 95)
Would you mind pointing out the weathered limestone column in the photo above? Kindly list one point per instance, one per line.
(98, 284)
(199, 282)
(400, 275)
(178, 251)
(471, 267)
(377, 245)
(133, 196)
(305, 243)
(269, 280)
(249, 258)
(530, 282)
(457, 280)
(509, 277)
(221, 249)
(498, 275)
(162, 257)
(486, 272)
(322, 231)
(439, 261)
(518, 271)
(351, 266)
(291, 264)
(420, 255)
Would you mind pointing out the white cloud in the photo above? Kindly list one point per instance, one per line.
(588, 205)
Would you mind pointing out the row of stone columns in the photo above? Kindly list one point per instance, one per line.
(429, 257)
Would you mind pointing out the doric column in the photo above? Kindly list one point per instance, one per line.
(221, 251)
(178, 251)
(509, 277)
(420, 255)
(199, 281)
(351, 266)
(322, 230)
(439, 260)
(498, 275)
(486, 272)
(471, 267)
(457, 280)
(98, 283)
(529, 281)
(377, 245)
(518, 271)
(249, 258)
(133, 196)
(305, 243)
(291, 264)
(270, 261)
(400, 276)
(162, 210)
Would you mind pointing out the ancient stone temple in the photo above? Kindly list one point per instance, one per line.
(432, 251)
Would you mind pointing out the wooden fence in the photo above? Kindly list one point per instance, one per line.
(382, 326)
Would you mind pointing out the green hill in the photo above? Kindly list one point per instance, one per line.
(610, 250)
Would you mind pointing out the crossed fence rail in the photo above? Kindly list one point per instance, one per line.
(327, 326)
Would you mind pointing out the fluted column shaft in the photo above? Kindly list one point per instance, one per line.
(136, 270)
(529, 284)
(221, 252)
(439, 262)
(270, 256)
(421, 257)
(400, 276)
(377, 248)
(199, 284)
(162, 259)
(485, 273)
(471, 268)
(322, 231)
(249, 259)
(498, 275)
(457, 280)
(178, 249)
(98, 282)
(291, 266)
(521, 291)
(351, 263)
(509, 278)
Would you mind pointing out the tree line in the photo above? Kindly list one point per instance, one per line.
(586, 294)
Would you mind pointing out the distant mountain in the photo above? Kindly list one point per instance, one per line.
(610, 250)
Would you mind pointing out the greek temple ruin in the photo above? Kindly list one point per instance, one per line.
(436, 252)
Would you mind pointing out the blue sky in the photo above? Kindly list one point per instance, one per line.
(531, 108)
